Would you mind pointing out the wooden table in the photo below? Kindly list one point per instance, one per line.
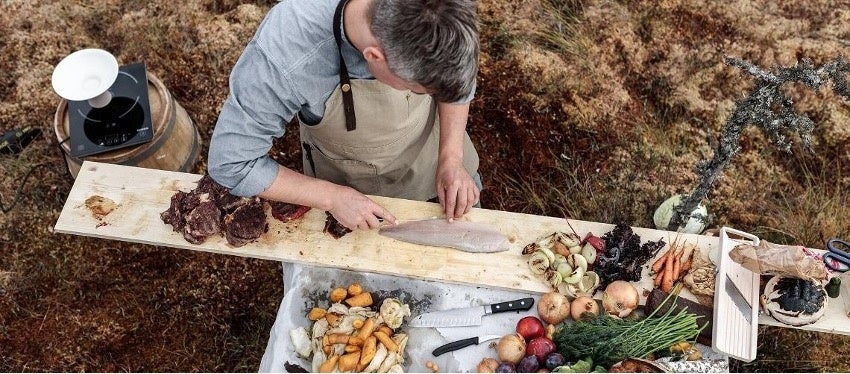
(142, 194)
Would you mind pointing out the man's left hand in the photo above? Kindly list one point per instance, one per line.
(456, 189)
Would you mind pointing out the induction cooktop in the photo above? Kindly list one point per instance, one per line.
(124, 122)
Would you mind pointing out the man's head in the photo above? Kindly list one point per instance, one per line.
(432, 43)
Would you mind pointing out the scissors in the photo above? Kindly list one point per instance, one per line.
(838, 257)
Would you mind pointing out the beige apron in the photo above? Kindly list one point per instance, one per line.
(393, 150)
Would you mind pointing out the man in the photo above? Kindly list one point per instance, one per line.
(381, 89)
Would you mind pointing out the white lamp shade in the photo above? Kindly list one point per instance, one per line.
(84, 74)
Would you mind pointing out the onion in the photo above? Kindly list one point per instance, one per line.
(488, 365)
(620, 298)
(553, 308)
(511, 348)
(583, 304)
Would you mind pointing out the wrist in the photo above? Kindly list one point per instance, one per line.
(450, 159)
(326, 193)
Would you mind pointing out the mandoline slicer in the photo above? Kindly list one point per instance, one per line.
(735, 331)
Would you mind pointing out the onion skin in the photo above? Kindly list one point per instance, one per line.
(553, 308)
(583, 304)
(511, 348)
(620, 298)
(488, 365)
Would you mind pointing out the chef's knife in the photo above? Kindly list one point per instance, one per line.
(738, 299)
(455, 345)
(468, 316)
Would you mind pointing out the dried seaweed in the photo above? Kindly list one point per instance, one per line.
(624, 256)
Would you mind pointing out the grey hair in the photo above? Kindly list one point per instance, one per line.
(430, 42)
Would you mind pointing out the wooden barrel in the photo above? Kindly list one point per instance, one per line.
(174, 147)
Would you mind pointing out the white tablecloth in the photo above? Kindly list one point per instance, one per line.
(306, 287)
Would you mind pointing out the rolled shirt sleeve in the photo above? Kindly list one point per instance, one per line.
(262, 101)
(471, 95)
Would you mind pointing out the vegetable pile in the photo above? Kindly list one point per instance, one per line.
(673, 265)
(607, 340)
(528, 350)
(565, 262)
(351, 335)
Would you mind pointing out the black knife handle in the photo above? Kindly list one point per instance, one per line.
(453, 346)
(511, 306)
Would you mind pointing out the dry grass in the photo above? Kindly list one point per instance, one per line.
(597, 111)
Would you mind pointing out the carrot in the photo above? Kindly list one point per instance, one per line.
(329, 365)
(363, 299)
(367, 329)
(657, 279)
(386, 341)
(656, 266)
(677, 269)
(667, 278)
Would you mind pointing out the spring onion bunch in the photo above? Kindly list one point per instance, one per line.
(608, 340)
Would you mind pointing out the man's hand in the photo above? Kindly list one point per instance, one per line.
(351, 208)
(456, 189)
(356, 211)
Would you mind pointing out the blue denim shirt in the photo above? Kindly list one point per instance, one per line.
(290, 66)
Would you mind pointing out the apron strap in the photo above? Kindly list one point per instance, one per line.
(344, 80)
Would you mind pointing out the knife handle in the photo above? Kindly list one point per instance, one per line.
(511, 306)
(453, 346)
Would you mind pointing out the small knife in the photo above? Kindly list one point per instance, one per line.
(468, 316)
(455, 345)
(738, 299)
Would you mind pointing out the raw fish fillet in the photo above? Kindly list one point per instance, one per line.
(466, 236)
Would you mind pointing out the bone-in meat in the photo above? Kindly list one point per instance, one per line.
(209, 209)
(246, 223)
(202, 222)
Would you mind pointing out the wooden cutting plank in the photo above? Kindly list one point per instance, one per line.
(142, 194)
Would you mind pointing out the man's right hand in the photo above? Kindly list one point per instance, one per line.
(355, 210)
(351, 208)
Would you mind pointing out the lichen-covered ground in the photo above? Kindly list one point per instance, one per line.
(597, 110)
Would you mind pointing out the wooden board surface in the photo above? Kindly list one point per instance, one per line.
(142, 194)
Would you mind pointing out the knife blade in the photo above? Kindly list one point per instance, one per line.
(468, 316)
(458, 344)
(738, 299)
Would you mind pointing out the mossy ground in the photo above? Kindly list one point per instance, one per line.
(596, 110)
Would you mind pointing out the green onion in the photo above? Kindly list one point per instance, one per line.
(608, 340)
